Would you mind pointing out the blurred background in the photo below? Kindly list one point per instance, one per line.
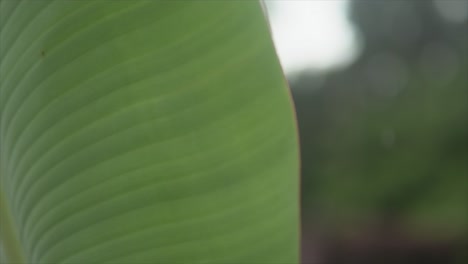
(381, 94)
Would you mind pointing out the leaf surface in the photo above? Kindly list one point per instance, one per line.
(145, 132)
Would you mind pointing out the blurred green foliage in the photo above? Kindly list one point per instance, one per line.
(385, 141)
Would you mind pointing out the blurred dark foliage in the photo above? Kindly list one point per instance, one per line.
(384, 142)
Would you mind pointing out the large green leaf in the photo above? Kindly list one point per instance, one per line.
(144, 131)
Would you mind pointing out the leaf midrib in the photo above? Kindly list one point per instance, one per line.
(8, 234)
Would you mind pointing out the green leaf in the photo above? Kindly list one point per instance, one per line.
(144, 131)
